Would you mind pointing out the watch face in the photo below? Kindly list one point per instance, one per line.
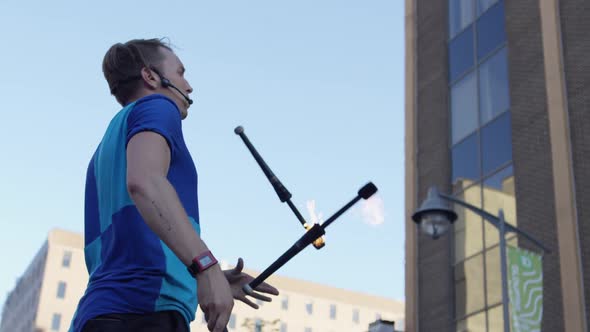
(204, 261)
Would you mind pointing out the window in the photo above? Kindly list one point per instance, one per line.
(491, 31)
(355, 315)
(469, 226)
(464, 108)
(232, 321)
(465, 159)
(483, 5)
(55, 322)
(61, 290)
(259, 302)
(498, 193)
(473, 323)
(308, 329)
(258, 325)
(460, 15)
(67, 258)
(481, 155)
(469, 287)
(461, 54)
(283, 327)
(309, 307)
(496, 144)
(285, 303)
(493, 276)
(496, 319)
(332, 311)
(493, 87)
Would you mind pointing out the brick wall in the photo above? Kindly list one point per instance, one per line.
(435, 302)
(531, 146)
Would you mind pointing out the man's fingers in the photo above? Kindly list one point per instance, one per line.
(222, 320)
(239, 267)
(248, 302)
(212, 318)
(266, 288)
(261, 297)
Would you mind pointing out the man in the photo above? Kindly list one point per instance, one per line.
(142, 245)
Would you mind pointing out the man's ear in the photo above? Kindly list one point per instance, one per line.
(149, 78)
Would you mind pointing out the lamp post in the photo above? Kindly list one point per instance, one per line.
(435, 216)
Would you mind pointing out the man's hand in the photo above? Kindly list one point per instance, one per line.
(237, 279)
(215, 298)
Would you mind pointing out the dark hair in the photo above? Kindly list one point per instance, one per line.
(122, 65)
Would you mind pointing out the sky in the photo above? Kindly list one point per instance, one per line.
(317, 86)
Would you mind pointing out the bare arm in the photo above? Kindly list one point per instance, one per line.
(148, 160)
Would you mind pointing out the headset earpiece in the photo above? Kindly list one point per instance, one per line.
(165, 82)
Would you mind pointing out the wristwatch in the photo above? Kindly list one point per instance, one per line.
(201, 263)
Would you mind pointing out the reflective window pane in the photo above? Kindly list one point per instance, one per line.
(469, 286)
(465, 160)
(491, 32)
(512, 240)
(498, 193)
(496, 319)
(496, 144)
(493, 276)
(461, 54)
(468, 227)
(463, 108)
(483, 5)
(460, 15)
(493, 86)
(475, 323)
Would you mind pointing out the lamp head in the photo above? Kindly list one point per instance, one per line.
(434, 215)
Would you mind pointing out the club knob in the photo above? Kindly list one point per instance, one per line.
(239, 130)
(367, 190)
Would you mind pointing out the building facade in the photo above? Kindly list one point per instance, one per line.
(45, 299)
(498, 114)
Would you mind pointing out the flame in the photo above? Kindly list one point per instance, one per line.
(315, 218)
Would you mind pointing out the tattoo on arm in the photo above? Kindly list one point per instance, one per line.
(162, 218)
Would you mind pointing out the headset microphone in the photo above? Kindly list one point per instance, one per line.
(166, 83)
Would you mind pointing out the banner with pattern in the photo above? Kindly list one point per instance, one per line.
(525, 287)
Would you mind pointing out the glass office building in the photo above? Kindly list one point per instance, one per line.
(497, 113)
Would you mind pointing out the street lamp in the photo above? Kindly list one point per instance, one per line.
(435, 216)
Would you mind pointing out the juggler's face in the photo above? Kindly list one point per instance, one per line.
(172, 68)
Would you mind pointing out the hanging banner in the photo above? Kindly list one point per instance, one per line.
(525, 287)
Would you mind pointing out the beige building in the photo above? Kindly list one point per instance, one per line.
(45, 298)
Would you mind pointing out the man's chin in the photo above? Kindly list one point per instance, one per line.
(183, 114)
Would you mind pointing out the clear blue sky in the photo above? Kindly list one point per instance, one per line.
(317, 85)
